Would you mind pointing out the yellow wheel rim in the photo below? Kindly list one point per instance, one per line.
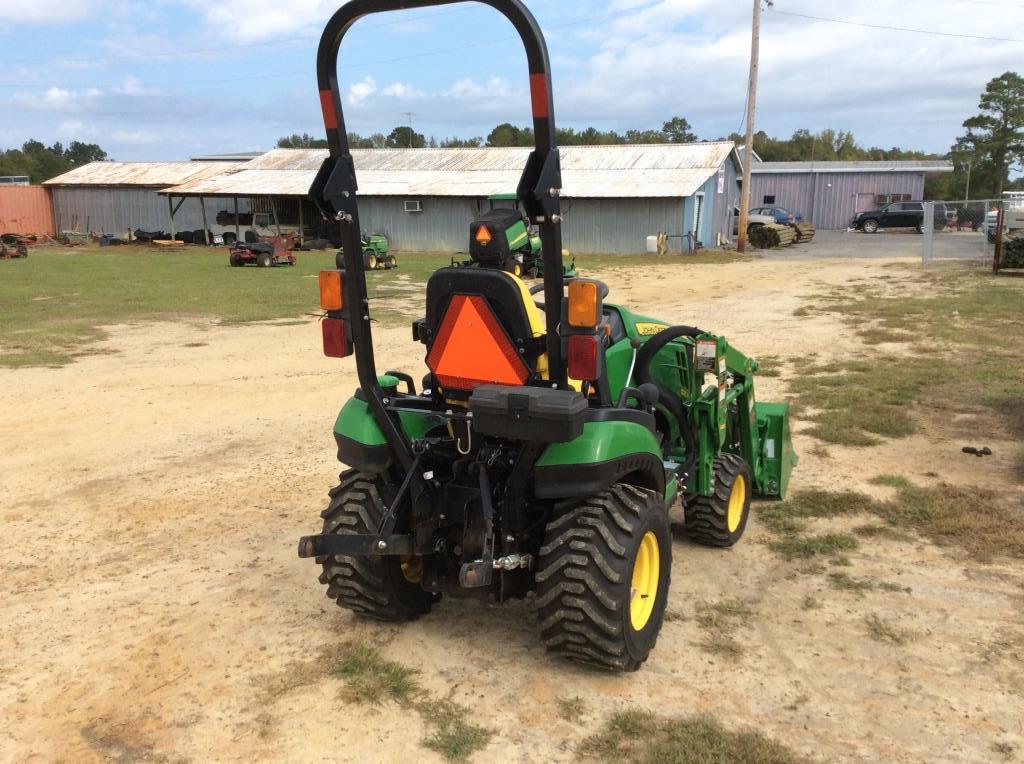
(737, 500)
(644, 588)
(412, 569)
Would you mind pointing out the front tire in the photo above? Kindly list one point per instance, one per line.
(603, 578)
(720, 519)
(265, 260)
(869, 226)
(385, 588)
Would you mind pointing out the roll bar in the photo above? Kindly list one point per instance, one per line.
(334, 189)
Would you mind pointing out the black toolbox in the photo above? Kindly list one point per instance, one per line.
(528, 413)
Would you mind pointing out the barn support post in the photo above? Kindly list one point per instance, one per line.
(273, 211)
(302, 227)
(206, 226)
(238, 235)
(173, 209)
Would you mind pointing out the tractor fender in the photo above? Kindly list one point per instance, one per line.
(361, 443)
(606, 452)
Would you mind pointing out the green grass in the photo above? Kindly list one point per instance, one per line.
(55, 304)
(642, 737)
(452, 734)
(881, 630)
(571, 709)
(846, 582)
(719, 622)
(983, 523)
(966, 336)
(370, 678)
(803, 547)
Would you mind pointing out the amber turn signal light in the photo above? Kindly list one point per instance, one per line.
(583, 304)
(332, 296)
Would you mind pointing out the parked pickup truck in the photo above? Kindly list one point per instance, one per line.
(754, 219)
(898, 215)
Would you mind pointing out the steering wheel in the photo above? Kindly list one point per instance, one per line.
(537, 289)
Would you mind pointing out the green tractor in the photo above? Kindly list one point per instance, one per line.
(549, 440)
(375, 255)
(525, 256)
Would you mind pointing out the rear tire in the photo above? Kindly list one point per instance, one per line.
(369, 261)
(720, 519)
(603, 578)
(236, 260)
(377, 587)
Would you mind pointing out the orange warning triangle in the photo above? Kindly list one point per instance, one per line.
(472, 349)
(483, 236)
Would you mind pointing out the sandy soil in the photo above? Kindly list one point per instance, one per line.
(152, 605)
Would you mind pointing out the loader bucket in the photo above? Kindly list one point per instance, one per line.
(778, 456)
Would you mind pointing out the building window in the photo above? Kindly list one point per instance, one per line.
(883, 199)
(413, 205)
(770, 199)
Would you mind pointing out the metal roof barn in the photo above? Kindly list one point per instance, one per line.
(589, 172)
(615, 196)
(115, 197)
(831, 193)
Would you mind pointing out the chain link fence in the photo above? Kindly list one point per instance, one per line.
(965, 229)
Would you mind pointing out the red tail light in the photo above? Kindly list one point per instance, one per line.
(582, 357)
(336, 341)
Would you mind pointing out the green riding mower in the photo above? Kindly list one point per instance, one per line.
(541, 454)
(375, 255)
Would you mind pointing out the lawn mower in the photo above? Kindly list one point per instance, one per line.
(550, 438)
(268, 252)
(376, 257)
(13, 245)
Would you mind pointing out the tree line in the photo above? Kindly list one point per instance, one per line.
(40, 162)
(984, 157)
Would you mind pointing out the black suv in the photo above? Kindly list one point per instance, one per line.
(898, 215)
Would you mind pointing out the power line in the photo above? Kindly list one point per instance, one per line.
(900, 29)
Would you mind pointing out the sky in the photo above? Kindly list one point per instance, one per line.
(170, 79)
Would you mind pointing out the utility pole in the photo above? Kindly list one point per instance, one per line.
(748, 145)
(410, 115)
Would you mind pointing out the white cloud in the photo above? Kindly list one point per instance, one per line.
(358, 92)
(690, 57)
(250, 20)
(45, 11)
(402, 91)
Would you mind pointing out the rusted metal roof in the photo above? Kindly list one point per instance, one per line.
(134, 174)
(669, 170)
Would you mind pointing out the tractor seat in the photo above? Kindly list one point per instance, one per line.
(481, 328)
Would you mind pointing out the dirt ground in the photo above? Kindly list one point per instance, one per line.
(153, 606)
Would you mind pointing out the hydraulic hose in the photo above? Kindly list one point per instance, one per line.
(667, 397)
